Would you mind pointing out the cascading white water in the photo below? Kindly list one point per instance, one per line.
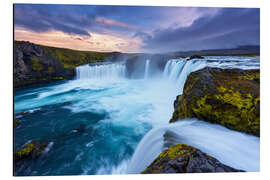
(131, 107)
(146, 71)
(235, 149)
(238, 150)
(178, 70)
(102, 71)
(173, 68)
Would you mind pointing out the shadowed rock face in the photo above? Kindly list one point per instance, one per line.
(195, 57)
(32, 64)
(182, 158)
(229, 97)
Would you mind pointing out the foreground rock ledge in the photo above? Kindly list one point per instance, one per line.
(182, 158)
(230, 97)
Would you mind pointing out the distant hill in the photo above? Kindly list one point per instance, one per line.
(248, 50)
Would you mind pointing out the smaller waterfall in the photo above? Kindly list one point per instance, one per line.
(102, 71)
(235, 149)
(178, 69)
(146, 71)
(173, 68)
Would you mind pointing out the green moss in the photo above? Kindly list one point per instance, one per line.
(179, 150)
(16, 123)
(50, 69)
(72, 58)
(234, 98)
(231, 99)
(58, 78)
(35, 63)
(25, 151)
(51, 78)
(32, 149)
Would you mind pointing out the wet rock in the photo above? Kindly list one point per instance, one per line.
(16, 123)
(21, 114)
(81, 128)
(182, 158)
(195, 57)
(229, 97)
(29, 151)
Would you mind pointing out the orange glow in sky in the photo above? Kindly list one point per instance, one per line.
(97, 42)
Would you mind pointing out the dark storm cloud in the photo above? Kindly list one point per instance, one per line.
(78, 19)
(230, 27)
(73, 19)
(43, 18)
(161, 29)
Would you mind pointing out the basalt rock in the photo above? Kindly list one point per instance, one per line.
(182, 158)
(195, 57)
(30, 150)
(16, 123)
(229, 97)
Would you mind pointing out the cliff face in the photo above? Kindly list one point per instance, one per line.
(228, 97)
(36, 64)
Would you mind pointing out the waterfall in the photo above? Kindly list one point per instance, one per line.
(235, 149)
(102, 71)
(173, 68)
(178, 70)
(146, 70)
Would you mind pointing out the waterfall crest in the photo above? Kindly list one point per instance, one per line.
(177, 70)
(102, 71)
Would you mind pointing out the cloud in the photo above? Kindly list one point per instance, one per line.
(37, 19)
(108, 22)
(70, 19)
(228, 28)
(154, 29)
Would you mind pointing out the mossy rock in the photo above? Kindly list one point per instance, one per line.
(30, 150)
(16, 123)
(183, 158)
(229, 97)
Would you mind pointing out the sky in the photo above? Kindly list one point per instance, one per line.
(136, 28)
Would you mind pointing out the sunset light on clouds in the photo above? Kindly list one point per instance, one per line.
(135, 28)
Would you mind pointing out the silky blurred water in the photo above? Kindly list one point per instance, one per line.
(94, 123)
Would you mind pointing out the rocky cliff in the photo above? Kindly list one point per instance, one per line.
(230, 97)
(183, 158)
(35, 63)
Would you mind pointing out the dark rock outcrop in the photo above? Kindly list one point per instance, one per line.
(16, 123)
(29, 151)
(230, 97)
(135, 64)
(195, 57)
(182, 158)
